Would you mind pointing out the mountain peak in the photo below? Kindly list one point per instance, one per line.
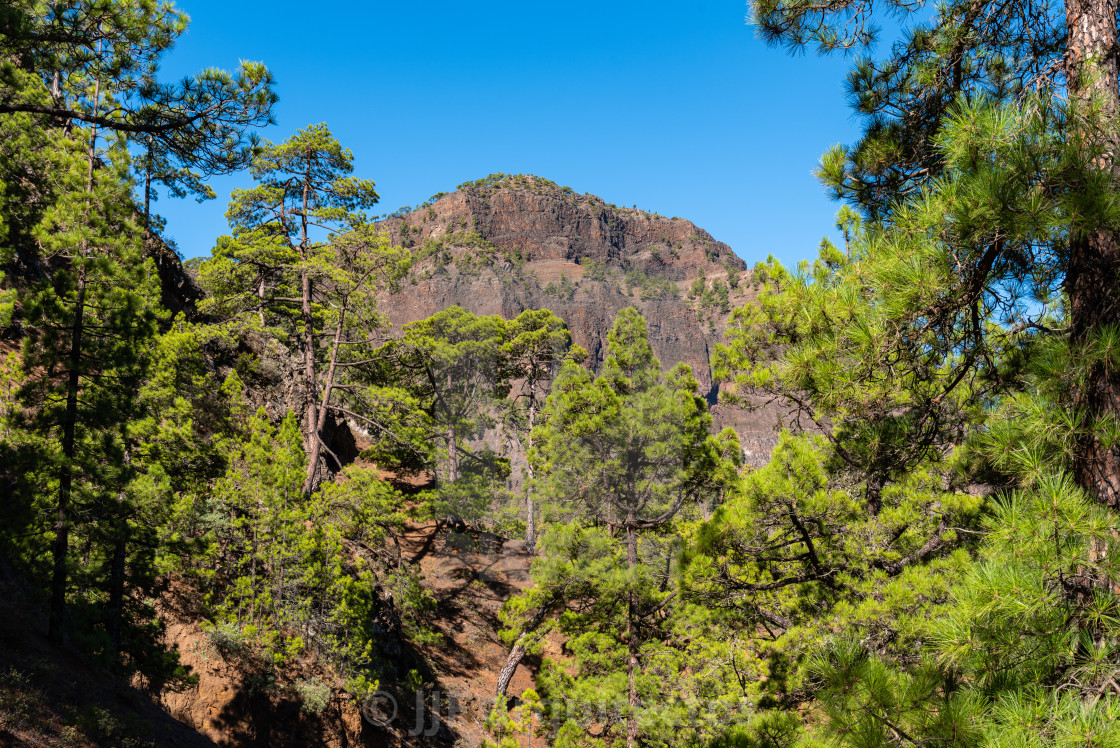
(538, 220)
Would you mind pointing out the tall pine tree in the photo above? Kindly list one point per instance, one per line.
(303, 262)
(617, 458)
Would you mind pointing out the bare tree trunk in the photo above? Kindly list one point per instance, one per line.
(311, 398)
(632, 664)
(530, 521)
(148, 187)
(61, 544)
(530, 510)
(313, 473)
(1093, 276)
(260, 295)
(517, 652)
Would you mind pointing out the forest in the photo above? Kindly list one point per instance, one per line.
(929, 556)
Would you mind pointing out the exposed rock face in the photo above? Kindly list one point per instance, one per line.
(510, 243)
(546, 222)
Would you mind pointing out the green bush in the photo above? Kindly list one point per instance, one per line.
(314, 695)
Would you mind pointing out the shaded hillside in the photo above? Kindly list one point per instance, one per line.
(51, 696)
(508, 243)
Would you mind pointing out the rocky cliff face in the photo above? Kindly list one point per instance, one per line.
(505, 244)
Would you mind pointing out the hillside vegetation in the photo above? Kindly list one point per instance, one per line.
(489, 470)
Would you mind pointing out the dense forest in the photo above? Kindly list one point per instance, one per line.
(928, 557)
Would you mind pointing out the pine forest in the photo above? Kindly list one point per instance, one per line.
(520, 467)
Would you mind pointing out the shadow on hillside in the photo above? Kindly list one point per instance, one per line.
(261, 713)
(51, 695)
(468, 585)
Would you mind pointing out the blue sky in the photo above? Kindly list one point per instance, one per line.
(675, 107)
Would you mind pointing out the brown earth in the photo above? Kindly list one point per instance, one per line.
(47, 696)
(50, 696)
(232, 705)
(470, 574)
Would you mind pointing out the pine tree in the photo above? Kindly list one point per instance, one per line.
(318, 294)
(53, 51)
(282, 572)
(916, 392)
(969, 64)
(618, 457)
(75, 77)
(88, 324)
(452, 369)
(536, 345)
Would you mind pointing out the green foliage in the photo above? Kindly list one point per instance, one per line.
(799, 554)
(470, 253)
(920, 562)
(932, 357)
(597, 271)
(616, 459)
(304, 186)
(564, 290)
(649, 287)
(716, 297)
(486, 186)
(536, 344)
(699, 286)
(87, 330)
(314, 695)
(446, 382)
(905, 96)
(89, 52)
(732, 277)
(448, 373)
(275, 566)
(316, 298)
(1022, 653)
(507, 725)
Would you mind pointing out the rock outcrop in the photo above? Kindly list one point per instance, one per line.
(508, 243)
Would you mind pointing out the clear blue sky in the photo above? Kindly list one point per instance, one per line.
(675, 107)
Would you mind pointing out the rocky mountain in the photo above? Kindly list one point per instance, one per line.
(508, 243)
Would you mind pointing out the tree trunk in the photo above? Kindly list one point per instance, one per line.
(517, 653)
(530, 510)
(312, 414)
(632, 664)
(148, 187)
(530, 521)
(1093, 275)
(314, 474)
(61, 544)
(311, 398)
(453, 520)
(260, 295)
